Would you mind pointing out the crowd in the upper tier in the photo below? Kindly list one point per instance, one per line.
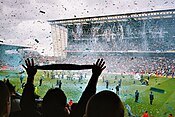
(54, 104)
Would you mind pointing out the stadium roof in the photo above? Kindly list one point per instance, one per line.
(129, 51)
(158, 14)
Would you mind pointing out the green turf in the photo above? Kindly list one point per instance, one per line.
(163, 104)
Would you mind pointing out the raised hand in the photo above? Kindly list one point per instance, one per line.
(98, 67)
(30, 69)
(90, 89)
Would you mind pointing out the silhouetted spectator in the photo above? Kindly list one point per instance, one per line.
(54, 101)
(104, 104)
(27, 103)
(5, 103)
(15, 98)
(73, 106)
(90, 89)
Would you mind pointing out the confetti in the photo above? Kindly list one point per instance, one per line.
(42, 12)
(36, 40)
(166, 2)
(135, 2)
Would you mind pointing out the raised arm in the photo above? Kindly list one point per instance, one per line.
(90, 90)
(97, 69)
(30, 69)
(28, 104)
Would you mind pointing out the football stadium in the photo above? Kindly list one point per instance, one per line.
(138, 50)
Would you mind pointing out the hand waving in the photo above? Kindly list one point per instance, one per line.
(31, 71)
(98, 67)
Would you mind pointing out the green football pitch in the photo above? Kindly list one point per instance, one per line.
(163, 103)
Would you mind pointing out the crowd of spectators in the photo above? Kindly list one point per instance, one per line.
(54, 103)
(162, 66)
(138, 42)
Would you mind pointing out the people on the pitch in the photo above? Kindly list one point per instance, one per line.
(70, 103)
(134, 82)
(151, 96)
(52, 74)
(136, 96)
(120, 82)
(128, 108)
(41, 80)
(107, 84)
(22, 77)
(80, 77)
(117, 89)
(60, 84)
(55, 100)
(103, 78)
(145, 114)
(62, 76)
(115, 77)
(145, 82)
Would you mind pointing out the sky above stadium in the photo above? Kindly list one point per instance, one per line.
(25, 21)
